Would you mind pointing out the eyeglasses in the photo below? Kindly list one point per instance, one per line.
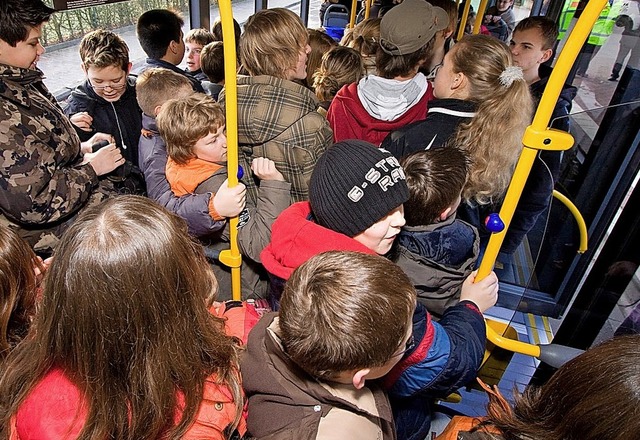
(410, 345)
(113, 85)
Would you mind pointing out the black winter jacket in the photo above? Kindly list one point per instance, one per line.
(122, 119)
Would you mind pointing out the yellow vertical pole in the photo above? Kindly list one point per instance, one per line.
(463, 19)
(231, 257)
(479, 16)
(367, 8)
(352, 17)
(539, 137)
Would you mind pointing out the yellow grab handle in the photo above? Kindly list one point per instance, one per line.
(582, 226)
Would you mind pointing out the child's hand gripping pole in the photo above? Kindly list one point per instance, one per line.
(231, 257)
(539, 137)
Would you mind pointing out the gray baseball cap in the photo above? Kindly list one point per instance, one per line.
(410, 25)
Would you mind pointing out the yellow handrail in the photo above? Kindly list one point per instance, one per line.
(539, 137)
(231, 257)
(582, 226)
(367, 9)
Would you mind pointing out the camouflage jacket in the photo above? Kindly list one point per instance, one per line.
(278, 119)
(43, 183)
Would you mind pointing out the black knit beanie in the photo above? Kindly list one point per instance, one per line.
(354, 184)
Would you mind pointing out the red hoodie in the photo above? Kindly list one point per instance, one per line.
(295, 238)
(349, 119)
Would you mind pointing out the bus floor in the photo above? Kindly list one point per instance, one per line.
(517, 374)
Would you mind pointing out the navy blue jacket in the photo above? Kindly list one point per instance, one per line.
(122, 118)
(443, 118)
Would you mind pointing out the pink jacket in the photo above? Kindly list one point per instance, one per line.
(55, 409)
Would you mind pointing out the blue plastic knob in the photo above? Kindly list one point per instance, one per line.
(240, 172)
(494, 223)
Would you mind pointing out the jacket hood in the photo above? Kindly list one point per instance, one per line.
(295, 238)
(452, 244)
(264, 125)
(388, 99)
(347, 102)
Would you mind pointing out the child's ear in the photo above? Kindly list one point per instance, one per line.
(156, 110)
(173, 46)
(445, 214)
(359, 378)
(129, 68)
(546, 55)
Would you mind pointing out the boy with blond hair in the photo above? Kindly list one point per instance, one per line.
(277, 117)
(194, 131)
(310, 372)
(439, 251)
(194, 41)
(155, 86)
(106, 101)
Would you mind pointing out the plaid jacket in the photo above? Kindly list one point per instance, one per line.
(43, 183)
(278, 119)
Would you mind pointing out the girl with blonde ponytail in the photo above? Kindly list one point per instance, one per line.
(483, 106)
(493, 137)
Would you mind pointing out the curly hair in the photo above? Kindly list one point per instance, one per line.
(493, 138)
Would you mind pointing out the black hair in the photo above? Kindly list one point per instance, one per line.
(17, 17)
(156, 29)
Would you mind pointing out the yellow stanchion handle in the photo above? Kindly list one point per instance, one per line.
(231, 257)
(582, 226)
(539, 137)
(367, 8)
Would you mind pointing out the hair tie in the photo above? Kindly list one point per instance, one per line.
(511, 74)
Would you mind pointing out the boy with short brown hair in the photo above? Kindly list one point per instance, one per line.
(154, 87)
(194, 41)
(439, 250)
(212, 65)
(345, 320)
(106, 102)
(194, 130)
